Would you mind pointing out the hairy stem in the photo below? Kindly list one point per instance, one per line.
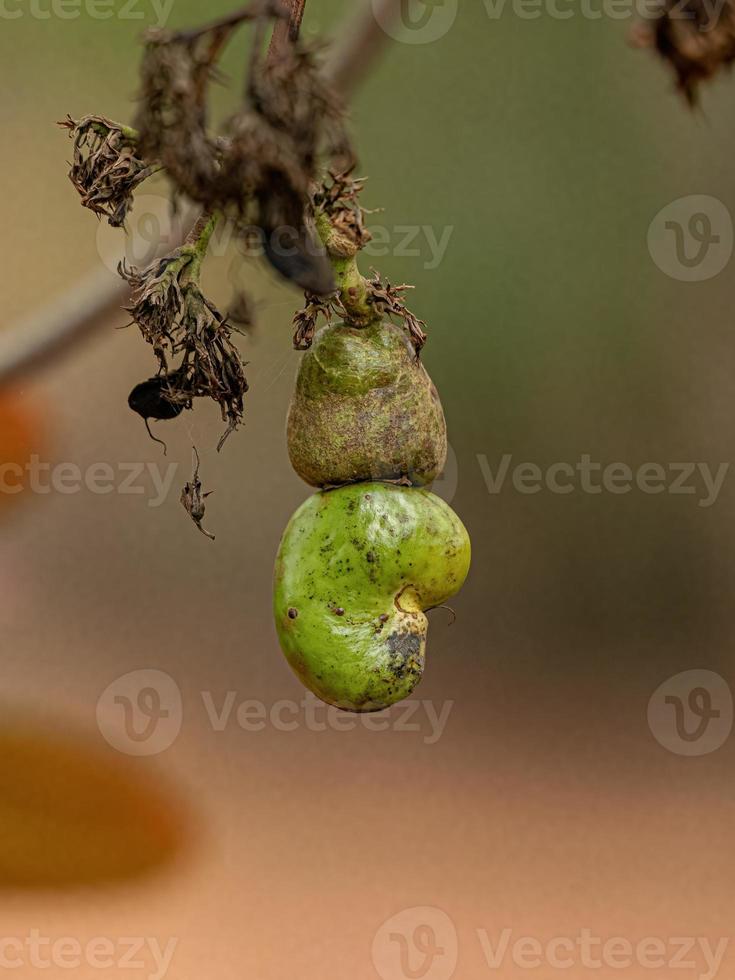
(198, 239)
(127, 131)
(353, 288)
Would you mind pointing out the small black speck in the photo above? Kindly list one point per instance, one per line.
(293, 613)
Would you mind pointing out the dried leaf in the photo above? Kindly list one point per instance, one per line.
(180, 323)
(107, 166)
(192, 498)
(389, 300)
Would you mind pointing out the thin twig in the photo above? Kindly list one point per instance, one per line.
(35, 340)
(56, 328)
(251, 12)
(287, 31)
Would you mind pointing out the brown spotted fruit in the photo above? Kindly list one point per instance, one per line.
(357, 569)
(365, 409)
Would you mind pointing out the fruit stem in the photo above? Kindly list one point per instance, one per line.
(197, 241)
(130, 134)
(353, 288)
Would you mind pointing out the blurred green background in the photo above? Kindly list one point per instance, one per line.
(547, 147)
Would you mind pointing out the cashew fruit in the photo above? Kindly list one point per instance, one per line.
(365, 409)
(357, 569)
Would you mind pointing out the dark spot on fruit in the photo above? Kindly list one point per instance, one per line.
(371, 557)
(405, 656)
(339, 611)
(293, 613)
(384, 618)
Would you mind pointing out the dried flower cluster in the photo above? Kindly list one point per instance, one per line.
(389, 301)
(306, 320)
(695, 37)
(106, 168)
(182, 325)
(261, 169)
(338, 198)
(341, 222)
(261, 173)
(258, 173)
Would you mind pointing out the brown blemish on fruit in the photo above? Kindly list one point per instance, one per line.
(405, 656)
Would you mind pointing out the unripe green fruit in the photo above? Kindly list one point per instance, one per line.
(356, 570)
(365, 409)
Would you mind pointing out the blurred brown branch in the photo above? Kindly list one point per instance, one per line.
(286, 31)
(38, 338)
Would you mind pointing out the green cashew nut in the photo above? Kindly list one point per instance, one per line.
(356, 570)
(365, 409)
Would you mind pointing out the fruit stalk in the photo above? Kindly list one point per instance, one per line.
(352, 287)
